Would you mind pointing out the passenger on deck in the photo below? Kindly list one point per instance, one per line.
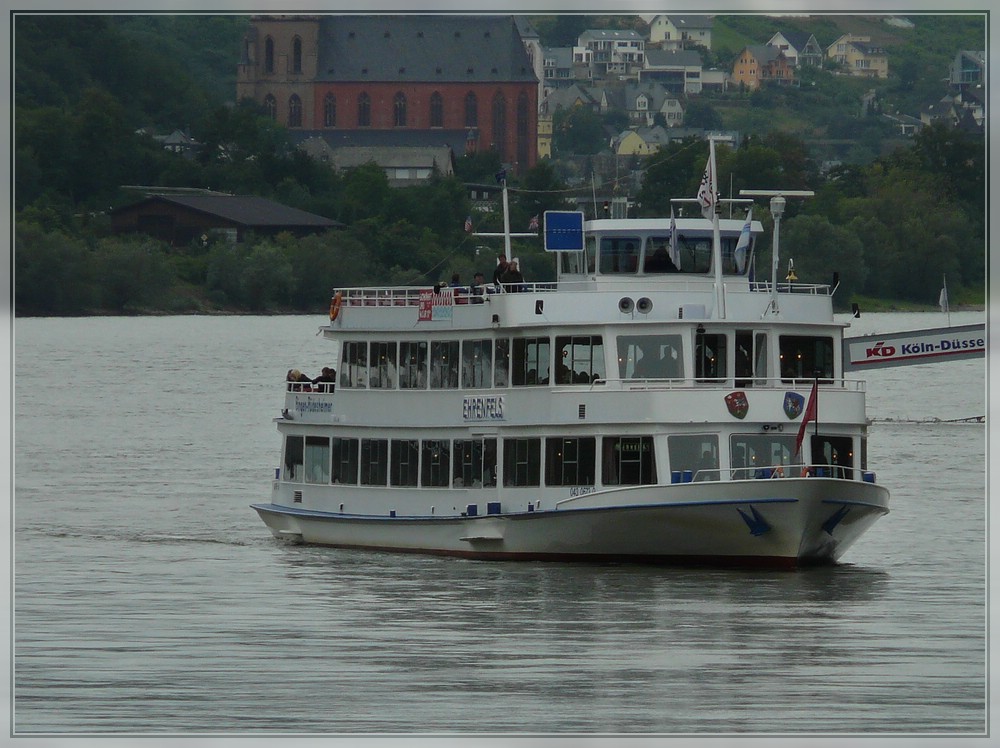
(512, 279)
(458, 290)
(500, 269)
(478, 288)
(326, 381)
(301, 383)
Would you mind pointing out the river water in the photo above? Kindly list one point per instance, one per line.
(150, 600)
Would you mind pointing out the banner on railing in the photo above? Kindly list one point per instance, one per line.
(435, 306)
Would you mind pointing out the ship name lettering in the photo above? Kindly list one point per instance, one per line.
(483, 408)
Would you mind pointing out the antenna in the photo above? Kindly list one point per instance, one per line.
(777, 209)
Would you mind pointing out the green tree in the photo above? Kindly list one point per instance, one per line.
(820, 249)
(134, 274)
(53, 272)
(577, 130)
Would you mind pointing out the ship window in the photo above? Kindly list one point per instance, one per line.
(374, 462)
(620, 254)
(317, 459)
(354, 369)
(383, 368)
(660, 257)
(628, 461)
(695, 452)
(444, 364)
(694, 253)
(743, 364)
(477, 363)
(530, 364)
(755, 455)
(434, 470)
(650, 357)
(501, 363)
(413, 366)
(293, 458)
(344, 453)
(570, 461)
(405, 459)
(709, 356)
(475, 463)
(578, 263)
(579, 359)
(802, 356)
(521, 462)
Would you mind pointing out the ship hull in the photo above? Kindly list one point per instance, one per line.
(786, 523)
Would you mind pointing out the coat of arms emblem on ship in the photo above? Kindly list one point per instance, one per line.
(793, 404)
(738, 404)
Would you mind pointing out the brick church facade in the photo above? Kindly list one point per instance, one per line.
(469, 77)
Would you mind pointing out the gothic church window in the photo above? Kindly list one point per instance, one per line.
(271, 106)
(399, 110)
(294, 111)
(437, 110)
(330, 111)
(269, 55)
(296, 55)
(364, 110)
(471, 110)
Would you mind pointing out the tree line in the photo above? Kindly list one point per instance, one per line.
(890, 227)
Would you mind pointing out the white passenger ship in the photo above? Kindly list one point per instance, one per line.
(621, 412)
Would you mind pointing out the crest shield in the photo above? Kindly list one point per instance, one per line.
(738, 404)
(793, 404)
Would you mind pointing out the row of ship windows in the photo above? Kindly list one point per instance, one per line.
(523, 462)
(577, 359)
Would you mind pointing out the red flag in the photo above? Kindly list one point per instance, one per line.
(808, 415)
(533, 224)
(468, 225)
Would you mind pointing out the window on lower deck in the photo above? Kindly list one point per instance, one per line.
(570, 461)
(475, 463)
(317, 459)
(698, 453)
(754, 455)
(628, 461)
(434, 463)
(344, 461)
(805, 357)
(521, 462)
(294, 449)
(374, 462)
(404, 461)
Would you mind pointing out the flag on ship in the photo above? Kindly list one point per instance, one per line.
(533, 224)
(706, 192)
(468, 225)
(943, 298)
(808, 415)
(674, 254)
(743, 244)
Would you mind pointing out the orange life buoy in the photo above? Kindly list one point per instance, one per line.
(335, 304)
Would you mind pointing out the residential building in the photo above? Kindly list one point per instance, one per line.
(613, 53)
(799, 47)
(181, 219)
(968, 69)
(418, 73)
(759, 65)
(643, 101)
(678, 71)
(860, 56)
(403, 165)
(641, 141)
(680, 31)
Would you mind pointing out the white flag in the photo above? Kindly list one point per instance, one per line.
(743, 244)
(943, 299)
(674, 254)
(706, 192)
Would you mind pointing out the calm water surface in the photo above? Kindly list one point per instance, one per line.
(150, 599)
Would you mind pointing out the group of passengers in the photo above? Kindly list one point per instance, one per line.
(300, 382)
(506, 277)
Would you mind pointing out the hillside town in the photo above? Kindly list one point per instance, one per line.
(413, 93)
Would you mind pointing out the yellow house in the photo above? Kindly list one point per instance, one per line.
(544, 135)
(863, 58)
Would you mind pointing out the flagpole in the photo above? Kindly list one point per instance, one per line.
(506, 221)
(716, 236)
